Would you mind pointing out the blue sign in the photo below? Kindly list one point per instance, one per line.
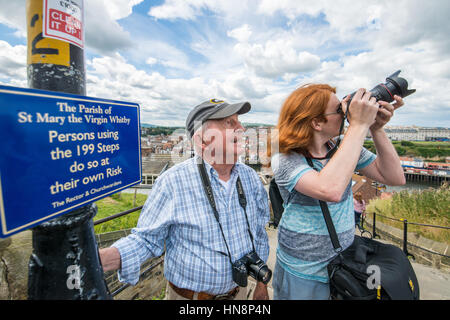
(62, 151)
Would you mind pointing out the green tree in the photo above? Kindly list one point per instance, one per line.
(400, 150)
(407, 143)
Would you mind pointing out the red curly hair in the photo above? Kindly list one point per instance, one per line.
(295, 131)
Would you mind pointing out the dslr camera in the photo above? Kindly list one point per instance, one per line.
(250, 264)
(394, 85)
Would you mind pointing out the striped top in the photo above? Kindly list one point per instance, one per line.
(304, 245)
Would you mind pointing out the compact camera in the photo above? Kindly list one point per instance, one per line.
(252, 265)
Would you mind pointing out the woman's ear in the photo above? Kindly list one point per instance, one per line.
(316, 124)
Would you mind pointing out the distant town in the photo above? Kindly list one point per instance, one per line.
(424, 152)
(162, 140)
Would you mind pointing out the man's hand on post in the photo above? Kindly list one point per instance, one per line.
(260, 292)
(110, 258)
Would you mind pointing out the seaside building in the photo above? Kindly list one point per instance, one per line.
(414, 133)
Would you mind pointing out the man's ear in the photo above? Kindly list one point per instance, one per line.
(202, 140)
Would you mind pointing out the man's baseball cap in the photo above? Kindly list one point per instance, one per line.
(213, 109)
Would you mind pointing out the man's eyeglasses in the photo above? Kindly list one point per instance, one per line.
(338, 111)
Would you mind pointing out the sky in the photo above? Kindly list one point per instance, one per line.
(170, 56)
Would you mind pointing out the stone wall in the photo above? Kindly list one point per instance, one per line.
(15, 253)
(415, 242)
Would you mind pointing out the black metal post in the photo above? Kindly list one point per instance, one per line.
(374, 233)
(405, 239)
(65, 263)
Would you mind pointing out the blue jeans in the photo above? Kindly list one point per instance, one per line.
(289, 287)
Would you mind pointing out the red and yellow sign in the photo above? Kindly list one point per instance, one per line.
(40, 49)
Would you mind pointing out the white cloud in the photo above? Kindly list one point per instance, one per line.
(241, 34)
(399, 22)
(241, 86)
(118, 9)
(276, 58)
(12, 61)
(341, 14)
(151, 60)
(257, 51)
(102, 32)
(173, 9)
(160, 98)
(162, 53)
(164, 100)
(13, 15)
(227, 10)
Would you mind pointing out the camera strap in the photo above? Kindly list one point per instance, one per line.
(333, 150)
(336, 145)
(332, 147)
(209, 194)
(341, 129)
(328, 221)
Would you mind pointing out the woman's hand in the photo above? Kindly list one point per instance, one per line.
(385, 113)
(363, 108)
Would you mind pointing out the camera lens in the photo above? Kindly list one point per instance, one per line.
(265, 278)
(260, 272)
(394, 85)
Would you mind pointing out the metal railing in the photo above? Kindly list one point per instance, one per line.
(405, 233)
(117, 215)
(143, 273)
(123, 213)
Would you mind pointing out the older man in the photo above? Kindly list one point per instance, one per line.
(203, 234)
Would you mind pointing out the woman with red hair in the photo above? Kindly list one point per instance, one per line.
(310, 119)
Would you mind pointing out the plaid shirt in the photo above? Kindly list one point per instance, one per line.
(178, 216)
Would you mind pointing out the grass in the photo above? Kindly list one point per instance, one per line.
(425, 149)
(161, 296)
(114, 204)
(431, 206)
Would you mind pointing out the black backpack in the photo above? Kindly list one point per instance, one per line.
(276, 201)
(349, 275)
